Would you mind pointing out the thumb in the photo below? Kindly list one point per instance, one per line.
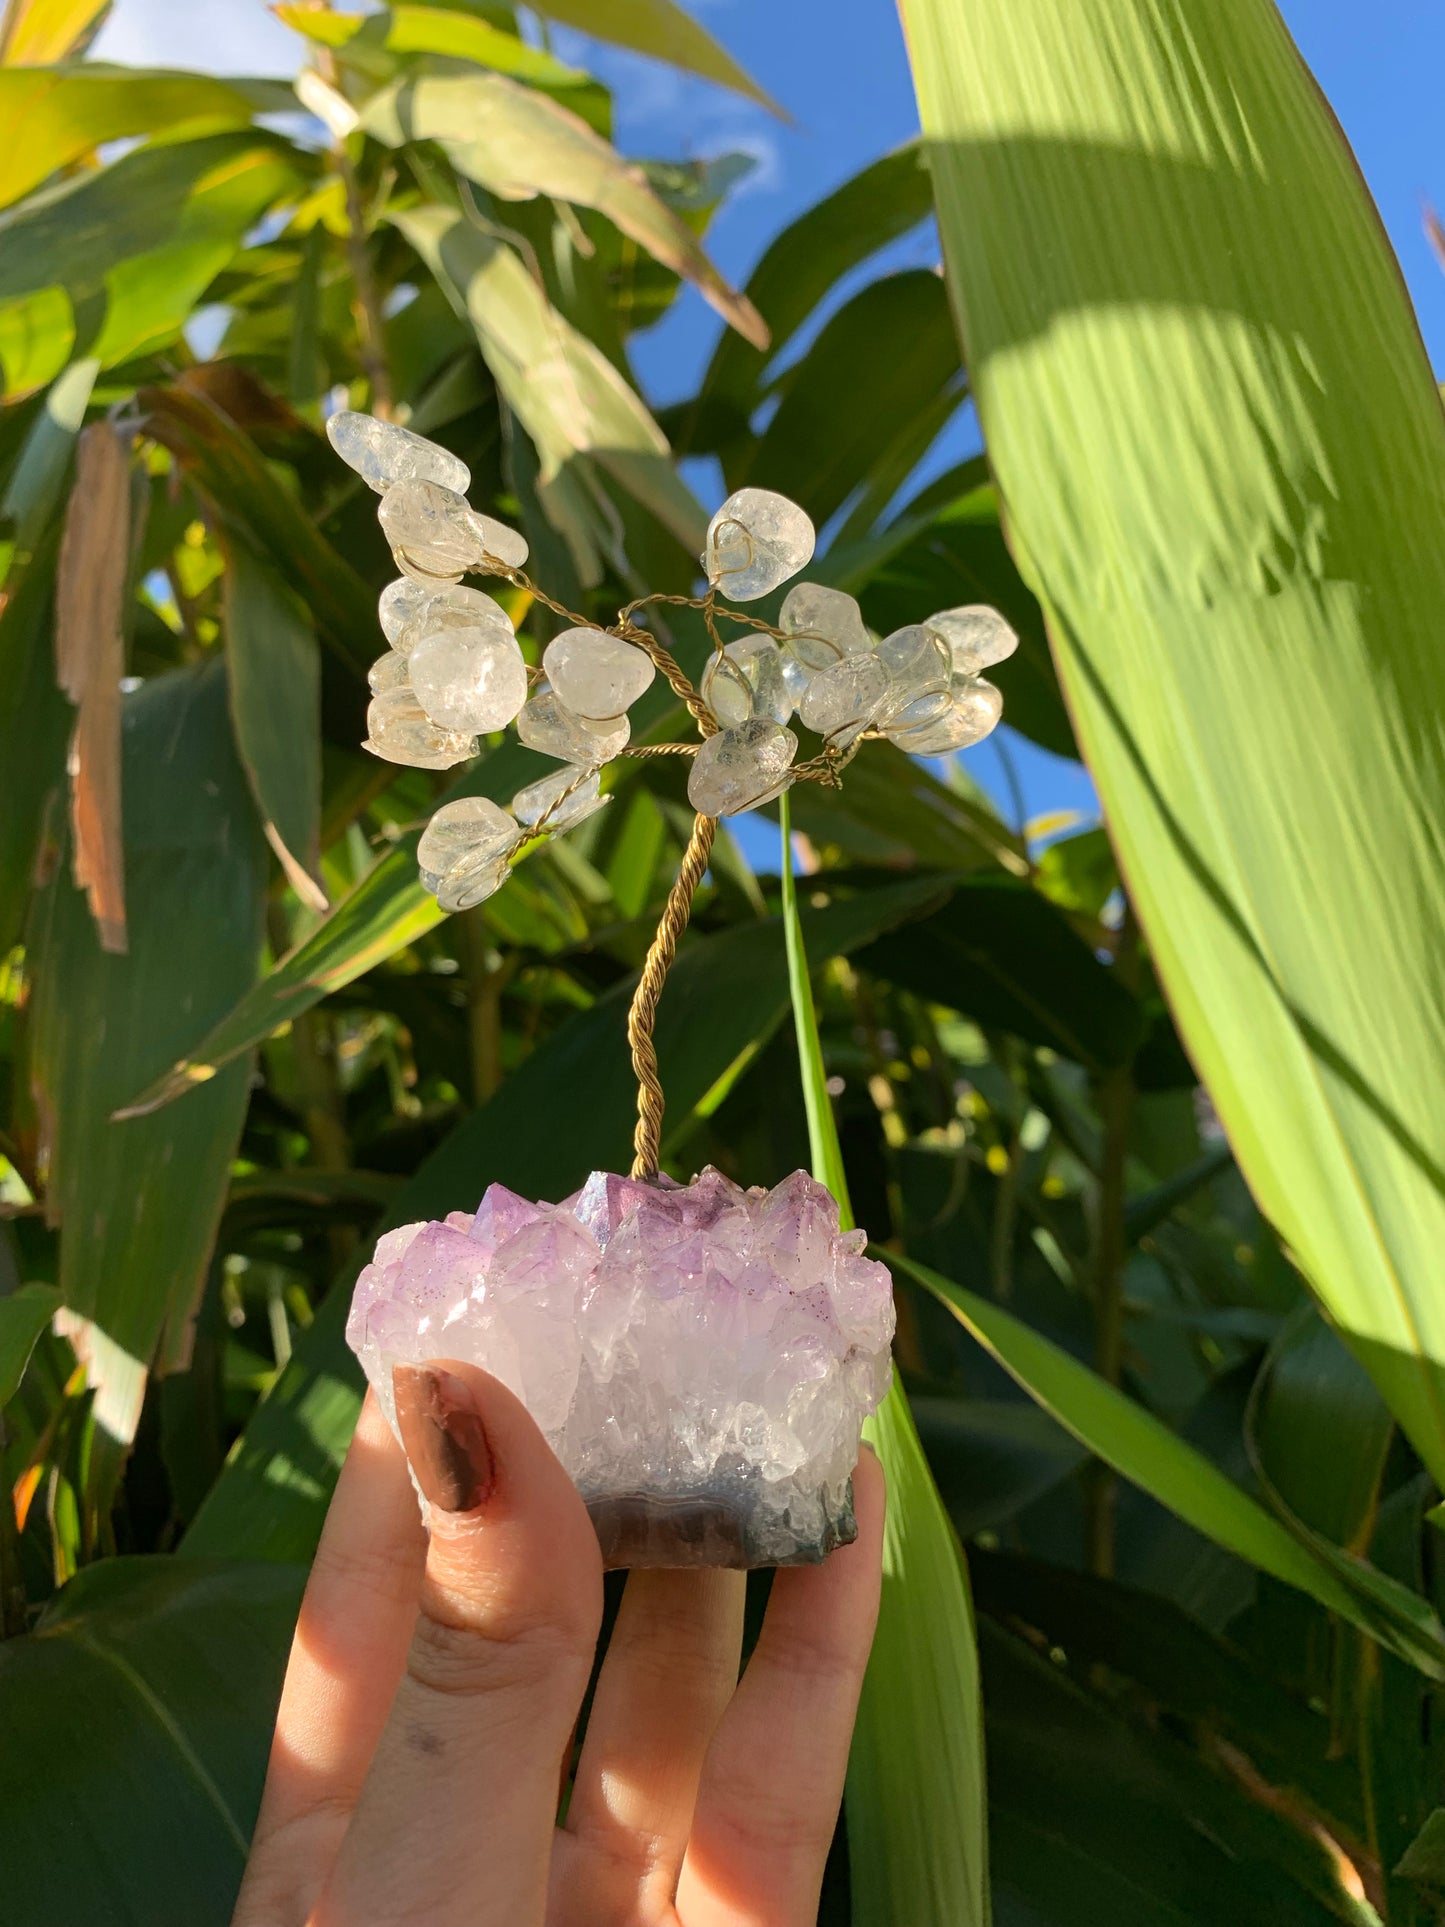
(455, 1821)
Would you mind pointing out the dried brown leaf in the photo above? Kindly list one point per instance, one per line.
(89, 664)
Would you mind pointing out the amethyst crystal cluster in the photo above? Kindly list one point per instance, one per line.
(700, 1357)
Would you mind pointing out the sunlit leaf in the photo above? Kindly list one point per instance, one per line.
(662, 30)
(1192, 382)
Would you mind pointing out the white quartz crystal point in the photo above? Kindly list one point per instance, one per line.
(841, 702)
(399, 729)
(755, 541)
(741, 768)
(698, 1356)
(746, 679)
(387, 672)
(406, 607)
(548, 725)
(531, 805)
(436, 535)
(467, 673)
(822, 624)
(971, 712)
(381, 453)
(596, 675)
(977, 636)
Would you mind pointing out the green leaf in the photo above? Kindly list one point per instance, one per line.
(275, 682)
(1099, 1819)
(917, 1826)
(663, 31)
(564, 391)
(726, 994)
(56, 115)
(897, 329)
(1002, 954)
(110, 264)
(519, 143)
(134, 1726)
(139, 1202)
(23, 1316)
(33, 490)
(893, 811)
(1192, 379)
(35, 722)
(386, 910)
(434, 30)
(1424, 1859)
(886, 200)
(1144, 1450)
(248, 499)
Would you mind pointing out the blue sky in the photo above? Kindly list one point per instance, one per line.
(839, 68)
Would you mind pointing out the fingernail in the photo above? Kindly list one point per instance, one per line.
(443, 1437)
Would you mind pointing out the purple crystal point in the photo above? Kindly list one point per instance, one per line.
(700, 1357)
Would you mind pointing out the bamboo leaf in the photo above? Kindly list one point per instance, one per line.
(386, 910)
(434, 30)
(563, 390)
(275, 682)
(917, 1824)
(35, 720)
(139, 1202)
(23, 1316)
(134, 1724)
(1144, 1450)
(110, 263)
(34, 33)
(800, 266)
(56, 115)
(519, 143)
(900, 329)
(1221, 455)
(662, 31)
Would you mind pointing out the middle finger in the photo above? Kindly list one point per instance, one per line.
(671, 1668)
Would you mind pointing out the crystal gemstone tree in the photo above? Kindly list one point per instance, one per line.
(700, 1356)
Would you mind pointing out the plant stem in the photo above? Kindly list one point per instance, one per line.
(365, 306)
(487, 977)
(1116, 1109)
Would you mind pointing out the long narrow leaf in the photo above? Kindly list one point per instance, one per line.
(1221, 456)
(1144, 1450)
(917, 1825)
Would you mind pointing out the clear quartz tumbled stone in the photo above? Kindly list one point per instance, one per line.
(473, 826)
(822, 624)
(532, 804)
(747, 680)
(755, 542)
(841, 702)
(700, 1358)
(382, 453)
(406, 609)
(548, 725)
(741, 768)
(976, 635)
(596, 675)
(387, 672)
(971, 711)
(436, 535)
(468, 674)
(399, 729)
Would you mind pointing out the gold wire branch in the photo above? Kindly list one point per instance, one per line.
(825, 769)
(647, 1138)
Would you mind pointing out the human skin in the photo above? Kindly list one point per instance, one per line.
(437, 1674)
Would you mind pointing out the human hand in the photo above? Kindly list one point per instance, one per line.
(435, 1681)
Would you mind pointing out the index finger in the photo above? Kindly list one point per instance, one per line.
(346, 1658)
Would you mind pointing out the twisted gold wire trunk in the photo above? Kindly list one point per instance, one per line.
(647, 1138)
